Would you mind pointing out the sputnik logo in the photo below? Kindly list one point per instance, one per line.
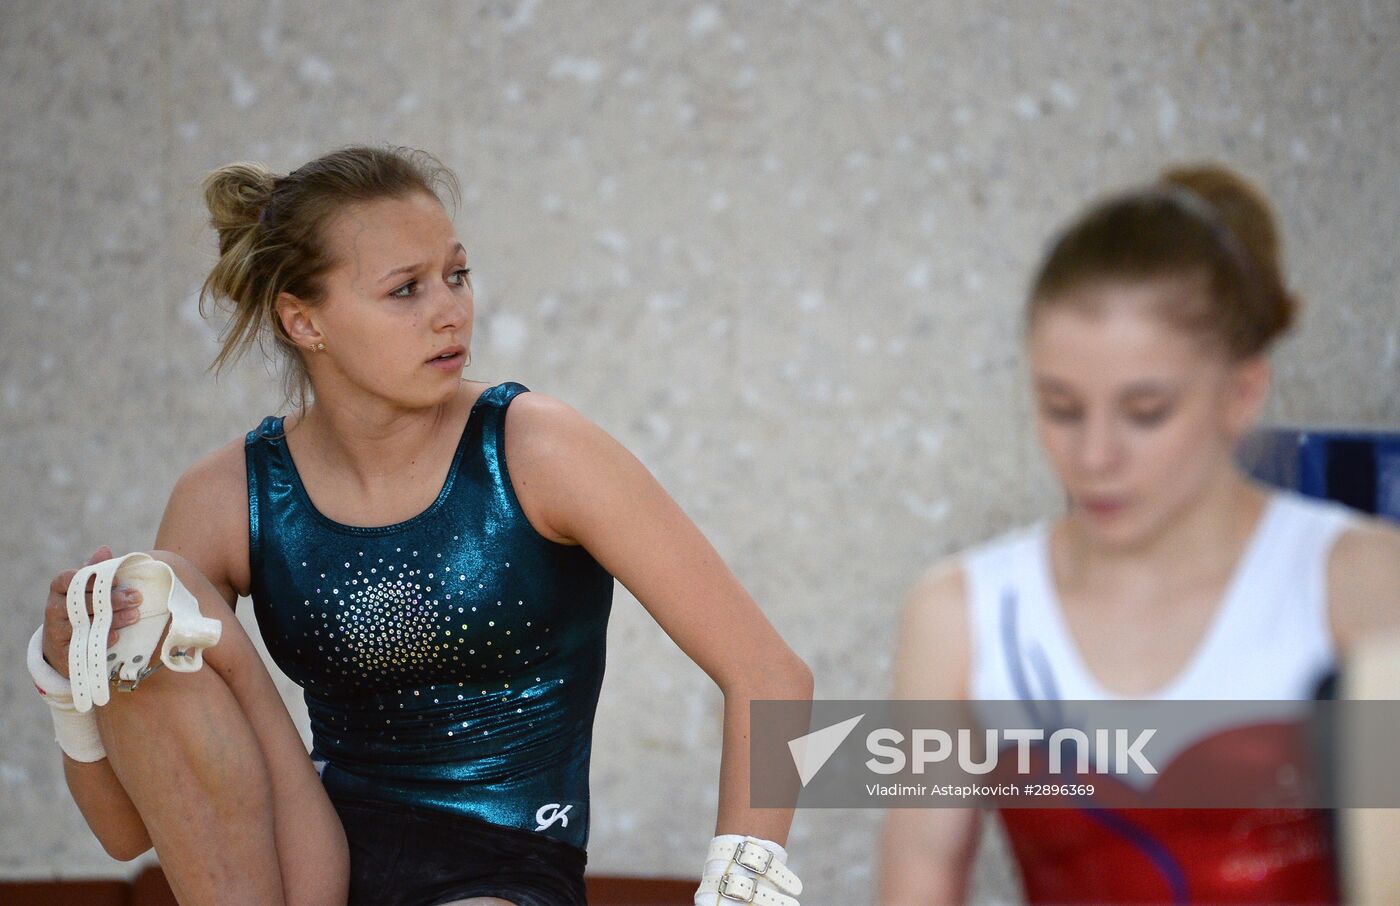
(811, 752)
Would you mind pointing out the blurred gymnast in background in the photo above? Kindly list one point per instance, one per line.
(1171, 575)
(432, 560)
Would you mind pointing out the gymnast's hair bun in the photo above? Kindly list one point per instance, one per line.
(236, 195)
(1243, 209)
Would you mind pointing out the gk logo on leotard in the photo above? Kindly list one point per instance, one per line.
(550, 815)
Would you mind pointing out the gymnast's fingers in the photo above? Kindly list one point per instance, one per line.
(57, 630)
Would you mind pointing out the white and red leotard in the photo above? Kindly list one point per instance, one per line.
(1268, 641)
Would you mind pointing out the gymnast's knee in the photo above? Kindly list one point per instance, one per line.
(234, 649)
(195, 582)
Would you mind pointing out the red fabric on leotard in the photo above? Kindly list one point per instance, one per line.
(1217, 855)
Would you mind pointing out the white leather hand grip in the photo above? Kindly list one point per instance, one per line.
(747, 870)
(163, 600)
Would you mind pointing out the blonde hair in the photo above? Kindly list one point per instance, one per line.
(1200, 221)
(271, 239)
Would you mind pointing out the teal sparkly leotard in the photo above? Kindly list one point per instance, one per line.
(451, 661)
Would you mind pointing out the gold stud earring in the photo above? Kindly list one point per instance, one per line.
(320, 347)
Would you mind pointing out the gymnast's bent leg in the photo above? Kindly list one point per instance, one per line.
(214, 765)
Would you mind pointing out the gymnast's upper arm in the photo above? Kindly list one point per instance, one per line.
(926, 854)
(206, 519)
(578, 484)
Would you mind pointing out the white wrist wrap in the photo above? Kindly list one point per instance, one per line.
(747, 870)
(76, 733)
(163, 600)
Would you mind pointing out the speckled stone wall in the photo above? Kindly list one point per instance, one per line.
(777, 248)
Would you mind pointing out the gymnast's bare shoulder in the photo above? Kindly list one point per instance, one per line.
(1363, 583)
(934, 651)
(206, 519)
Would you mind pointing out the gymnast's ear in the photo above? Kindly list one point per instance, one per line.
(1248, 388)
(297, 323)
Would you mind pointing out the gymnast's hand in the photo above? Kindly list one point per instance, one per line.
(58, 631)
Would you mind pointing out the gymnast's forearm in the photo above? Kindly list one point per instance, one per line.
(106, 808)
(736, 816)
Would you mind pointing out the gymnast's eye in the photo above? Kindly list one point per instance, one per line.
(1149, 416)
(405, 291)
(462, 276)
